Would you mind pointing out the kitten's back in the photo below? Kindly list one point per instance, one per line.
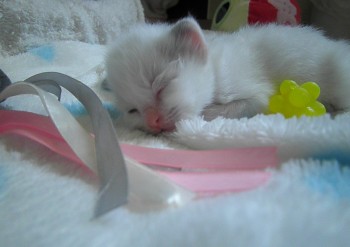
(285, 52)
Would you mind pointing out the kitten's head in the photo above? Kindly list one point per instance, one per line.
(159, 74)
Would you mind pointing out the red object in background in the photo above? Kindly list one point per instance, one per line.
(278, 11)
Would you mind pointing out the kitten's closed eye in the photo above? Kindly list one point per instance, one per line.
(163, 79)
(158, 94)
(132, 111)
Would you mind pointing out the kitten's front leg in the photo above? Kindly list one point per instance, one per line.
(234, 109)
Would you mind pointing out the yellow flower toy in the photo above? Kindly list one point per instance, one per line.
(294, 100)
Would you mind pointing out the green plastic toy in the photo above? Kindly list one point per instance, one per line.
(294, 100)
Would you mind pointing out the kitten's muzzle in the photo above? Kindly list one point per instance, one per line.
(156, 122)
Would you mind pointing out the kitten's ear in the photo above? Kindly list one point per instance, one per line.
(188, 39)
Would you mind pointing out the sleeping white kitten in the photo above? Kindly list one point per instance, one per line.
(162, 73)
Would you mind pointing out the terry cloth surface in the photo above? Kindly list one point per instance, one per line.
(29, 23)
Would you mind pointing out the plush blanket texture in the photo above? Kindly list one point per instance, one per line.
(26, 24)
(47, 201)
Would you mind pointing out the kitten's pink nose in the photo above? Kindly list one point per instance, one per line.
(155, 120)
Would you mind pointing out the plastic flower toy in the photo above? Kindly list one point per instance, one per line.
(294, 100)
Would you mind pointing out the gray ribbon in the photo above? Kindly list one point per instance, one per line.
(110, 162)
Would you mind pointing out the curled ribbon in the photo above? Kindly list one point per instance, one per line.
(117, 184)
(202, 173)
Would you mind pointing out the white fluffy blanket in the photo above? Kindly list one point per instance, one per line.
(28, 23)
(46, 201)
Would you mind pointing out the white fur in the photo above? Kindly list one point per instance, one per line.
(229, 74)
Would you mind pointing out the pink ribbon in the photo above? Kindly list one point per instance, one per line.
(205, 172)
